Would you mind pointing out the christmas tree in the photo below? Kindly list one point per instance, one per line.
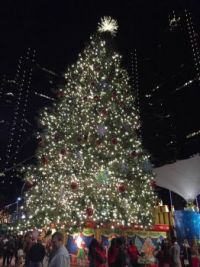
(91, 164)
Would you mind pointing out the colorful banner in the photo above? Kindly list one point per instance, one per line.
(82, 240)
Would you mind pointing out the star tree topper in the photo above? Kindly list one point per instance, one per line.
(108, 24)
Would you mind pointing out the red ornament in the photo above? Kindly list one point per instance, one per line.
(74, 185)
(89, 211)
(59, 94)
(133, 154)
(63, 151)
(98, 142)
(121, 188)
(44, 159)
(114, 141)
(96, 98)
(153, 184)
(29, 184)
(89, 224)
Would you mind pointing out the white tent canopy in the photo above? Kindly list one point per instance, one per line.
(181, 177)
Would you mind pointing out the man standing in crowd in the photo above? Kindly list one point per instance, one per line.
(36, 254)
(60, 257)
(175, 254)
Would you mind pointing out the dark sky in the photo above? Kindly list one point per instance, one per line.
(58, 30)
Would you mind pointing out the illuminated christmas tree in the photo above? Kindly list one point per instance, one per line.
(91, 164)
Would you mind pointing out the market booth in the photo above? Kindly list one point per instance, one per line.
(146, 240)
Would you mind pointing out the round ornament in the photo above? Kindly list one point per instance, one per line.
(89, 211)
(98, 142)
(59, 94)
(44, 159)
(133, 154)
(96, 98)
(29, 183)
(114, 141)
(63, 151)
(74, 185)
(89, 224)
(121, 188)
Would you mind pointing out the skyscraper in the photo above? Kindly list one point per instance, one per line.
(170, 94)
(14, 100)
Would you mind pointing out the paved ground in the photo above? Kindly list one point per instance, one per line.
(13, 264)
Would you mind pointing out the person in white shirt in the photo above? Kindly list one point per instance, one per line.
(61, 256)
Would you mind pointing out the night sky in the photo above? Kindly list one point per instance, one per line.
(58, 31)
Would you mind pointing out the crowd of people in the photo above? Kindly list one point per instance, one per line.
(29, 251)
(174, 255)
(121, 254)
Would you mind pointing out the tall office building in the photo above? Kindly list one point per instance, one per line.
(170, 91)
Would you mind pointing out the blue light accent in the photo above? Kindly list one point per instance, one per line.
(187, 224)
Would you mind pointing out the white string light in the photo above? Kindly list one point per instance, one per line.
(135, 76)
(21, 86)
(193, 42)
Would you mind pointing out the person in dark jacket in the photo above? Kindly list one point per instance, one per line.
(96, 254)
(163, 255)
(6, 254)
(121, 255)
(1, 246)
(36, 254)
(112, 253)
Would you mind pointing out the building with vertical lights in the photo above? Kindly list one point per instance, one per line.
(15, 98)
(169, 97)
